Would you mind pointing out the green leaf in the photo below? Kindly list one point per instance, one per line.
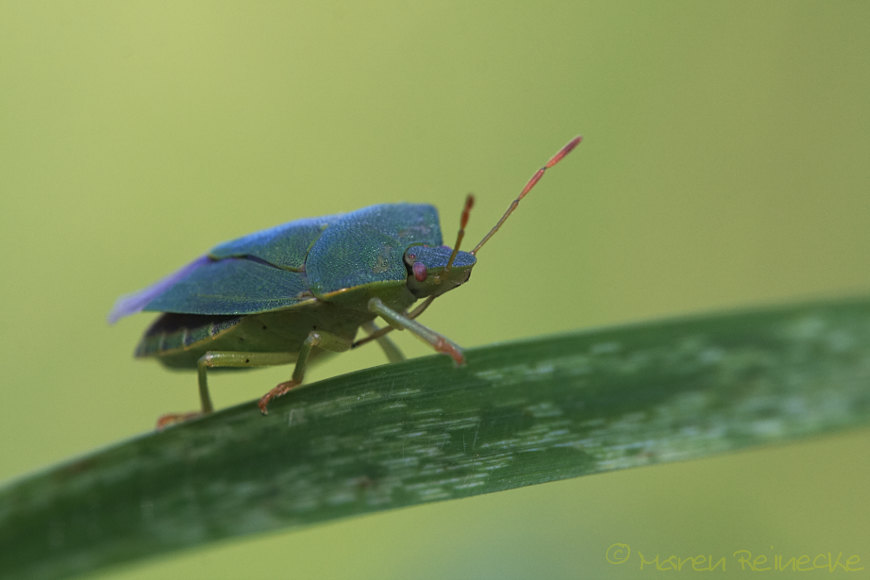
(518, 414)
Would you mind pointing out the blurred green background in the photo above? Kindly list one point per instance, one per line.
(726, 162)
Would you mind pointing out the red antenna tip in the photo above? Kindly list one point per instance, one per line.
(531, 183)
(565, 150)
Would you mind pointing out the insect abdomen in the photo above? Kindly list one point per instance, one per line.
(173, 335)
(179, 340)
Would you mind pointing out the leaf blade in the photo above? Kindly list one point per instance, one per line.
(518, 414)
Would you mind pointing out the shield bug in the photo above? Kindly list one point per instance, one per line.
(287, 294)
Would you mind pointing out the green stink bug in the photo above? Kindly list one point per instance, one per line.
(288, 293)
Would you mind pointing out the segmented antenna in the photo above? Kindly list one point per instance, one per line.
(463, 221)
(532, 182)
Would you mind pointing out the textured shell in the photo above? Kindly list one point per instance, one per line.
(292, 263)
(368, 246)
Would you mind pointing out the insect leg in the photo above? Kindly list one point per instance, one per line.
(315, 338)
(403, 322)
(389, 347)
(378, 333)
(214, 359)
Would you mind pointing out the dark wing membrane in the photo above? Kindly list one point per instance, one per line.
(136, 302)
(207, 286)
(235, 277)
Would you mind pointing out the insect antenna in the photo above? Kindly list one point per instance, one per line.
(463, 221)
(532, 182)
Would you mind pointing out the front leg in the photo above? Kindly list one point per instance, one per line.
(403, 322)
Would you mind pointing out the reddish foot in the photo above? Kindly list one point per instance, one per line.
(281, 389)
(451, 350)
(173, 418)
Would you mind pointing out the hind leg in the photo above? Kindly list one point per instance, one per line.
(224, 359)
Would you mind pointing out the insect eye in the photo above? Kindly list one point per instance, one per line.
(420, 271)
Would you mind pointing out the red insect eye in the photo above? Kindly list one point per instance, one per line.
(420, 271)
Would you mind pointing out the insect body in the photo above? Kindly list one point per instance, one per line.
(287, 294)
